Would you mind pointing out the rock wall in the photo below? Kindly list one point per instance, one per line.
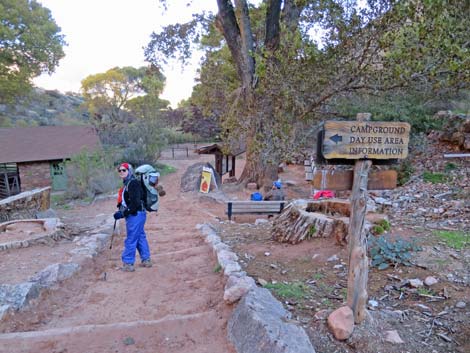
(35, 175)
(25, 205)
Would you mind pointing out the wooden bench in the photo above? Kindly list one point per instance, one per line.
(254, 207)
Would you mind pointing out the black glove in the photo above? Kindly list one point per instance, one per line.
(118, 215)
(119, 205)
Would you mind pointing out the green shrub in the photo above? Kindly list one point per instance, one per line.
(174, 136)
(312, 231)
(434, 178)
(381, 227)
(454, 239)
(164, 169)
(384, 252)
(377, 229)
(91, 173)
(404, 172)
(385, 224)
(296, 290)
(450, 166)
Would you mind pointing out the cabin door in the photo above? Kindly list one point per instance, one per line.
(58, 176)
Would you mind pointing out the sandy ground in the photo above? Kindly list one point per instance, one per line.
(175, 306)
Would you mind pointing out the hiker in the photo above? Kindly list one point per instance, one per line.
(131, 208)
(276, 193)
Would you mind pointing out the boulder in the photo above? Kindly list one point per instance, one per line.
(341, 323)
(259, 324)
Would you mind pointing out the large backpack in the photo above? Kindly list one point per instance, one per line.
(147, 174)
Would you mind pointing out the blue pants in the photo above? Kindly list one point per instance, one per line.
(136, 238)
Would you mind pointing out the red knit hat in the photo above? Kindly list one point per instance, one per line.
(124, 165)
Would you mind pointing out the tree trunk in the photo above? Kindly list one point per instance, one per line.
(262, 156)
(297, 223)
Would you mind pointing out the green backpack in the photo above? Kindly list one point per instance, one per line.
(148, 177)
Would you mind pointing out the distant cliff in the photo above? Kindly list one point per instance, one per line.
(44, 107)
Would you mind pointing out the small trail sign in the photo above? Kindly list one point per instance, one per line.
(365, 140)
(340, 180)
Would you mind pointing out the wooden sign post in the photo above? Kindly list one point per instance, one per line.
(363, 141)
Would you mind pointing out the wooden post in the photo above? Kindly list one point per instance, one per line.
(358, 260)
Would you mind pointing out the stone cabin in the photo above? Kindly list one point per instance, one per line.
(33, 157)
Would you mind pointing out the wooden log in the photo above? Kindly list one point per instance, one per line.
(358, 260)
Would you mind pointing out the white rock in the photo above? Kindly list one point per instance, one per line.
(333, 258)
(236, 287)
(416, 283)
(393, 337)
(430, 280)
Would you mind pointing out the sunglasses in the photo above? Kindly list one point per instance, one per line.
(122, 170)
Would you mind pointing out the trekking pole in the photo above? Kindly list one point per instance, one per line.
(112, 235)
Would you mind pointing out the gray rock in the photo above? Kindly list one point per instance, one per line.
(18, 295)
(3, 310)
(191, 179)
(258, 325)
(49, 213)
(55, 273)
(461, 305)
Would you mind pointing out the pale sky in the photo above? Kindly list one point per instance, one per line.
(102, 34)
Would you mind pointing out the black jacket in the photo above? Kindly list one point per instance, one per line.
(132, 195)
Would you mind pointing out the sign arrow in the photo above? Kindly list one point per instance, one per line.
(336, 138)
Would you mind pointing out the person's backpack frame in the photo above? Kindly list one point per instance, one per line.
(148, 177)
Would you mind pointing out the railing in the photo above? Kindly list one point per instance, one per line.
(9, 180)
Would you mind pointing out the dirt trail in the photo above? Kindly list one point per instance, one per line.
(175, 306)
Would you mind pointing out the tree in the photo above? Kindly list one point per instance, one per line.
(112, 95)
(286, 75)
(149, 106)
(125, 107)
(30, 44)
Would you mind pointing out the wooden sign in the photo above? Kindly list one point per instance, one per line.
(206, 177)
(340, 180)
(365, 140)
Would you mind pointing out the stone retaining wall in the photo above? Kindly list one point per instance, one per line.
(25, 205)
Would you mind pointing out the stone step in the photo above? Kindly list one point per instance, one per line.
(182, 331)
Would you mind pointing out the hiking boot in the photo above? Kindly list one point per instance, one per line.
(127, 268)
(146, 263)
